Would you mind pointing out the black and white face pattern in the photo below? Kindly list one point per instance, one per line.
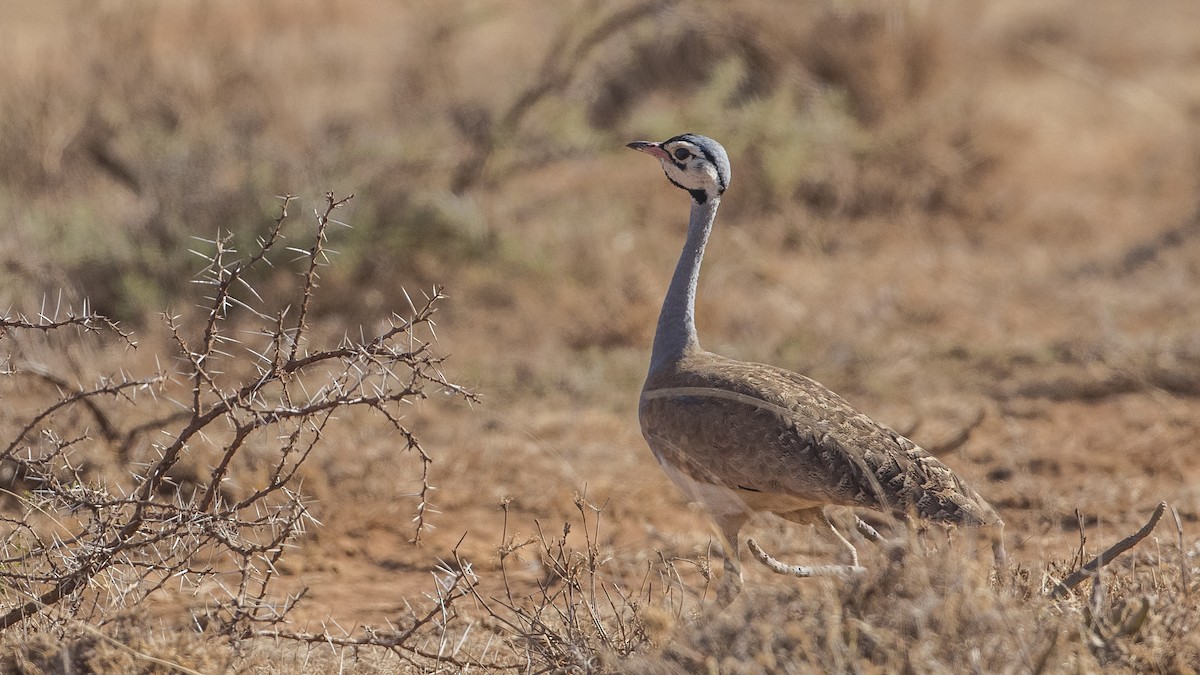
(695, 163)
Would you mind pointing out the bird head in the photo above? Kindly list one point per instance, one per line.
(695, 163)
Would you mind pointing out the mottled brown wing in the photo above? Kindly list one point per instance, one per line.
(766, 430)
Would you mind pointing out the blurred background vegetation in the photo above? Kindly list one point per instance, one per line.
(130, 127)
(485, 140)
(485, 144)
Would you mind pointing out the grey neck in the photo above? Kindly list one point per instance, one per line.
(676, 332)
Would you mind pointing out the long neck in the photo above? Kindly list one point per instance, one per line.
(677, 321)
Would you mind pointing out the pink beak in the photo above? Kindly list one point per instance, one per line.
(649, 148)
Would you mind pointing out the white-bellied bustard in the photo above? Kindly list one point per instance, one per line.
(746, 437)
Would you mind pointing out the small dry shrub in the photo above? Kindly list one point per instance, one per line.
(938, 611)
(130, 643)
(583, 617)
(247, 384)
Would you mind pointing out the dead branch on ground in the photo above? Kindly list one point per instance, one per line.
(1144, 252)
(1109, 555)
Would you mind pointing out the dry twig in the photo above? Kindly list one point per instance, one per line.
(1109, 555)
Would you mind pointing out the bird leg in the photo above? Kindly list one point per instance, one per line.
(846, 542)
(1000, 556)
(731, 581)
(802, 570)
(813, 516)
(872, 535)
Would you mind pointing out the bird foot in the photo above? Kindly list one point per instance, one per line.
(872, 535)
(802, 570)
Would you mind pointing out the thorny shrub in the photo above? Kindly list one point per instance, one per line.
(246, 377)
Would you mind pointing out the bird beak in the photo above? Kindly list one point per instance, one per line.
(649, 148)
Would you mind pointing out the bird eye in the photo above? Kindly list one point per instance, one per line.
(682, 154)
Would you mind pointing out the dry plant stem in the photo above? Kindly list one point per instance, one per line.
(959, 438)
(107, 430)
(316, 257)
(1185, 572)
(801, 570)
(1082, 537)
(459, 582)
(1109, 555)
(576, 610)
(87, 320)
(83, 397)
(170, 666)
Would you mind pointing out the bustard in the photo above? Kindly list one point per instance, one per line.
(746, 437)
